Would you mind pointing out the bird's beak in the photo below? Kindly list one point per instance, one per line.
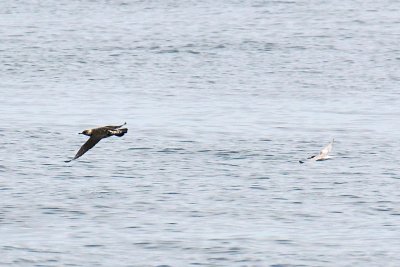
(79, 133)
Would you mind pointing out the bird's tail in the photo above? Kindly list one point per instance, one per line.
(121, 132)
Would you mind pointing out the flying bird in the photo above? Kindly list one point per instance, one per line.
(323, 154)
(96, 135)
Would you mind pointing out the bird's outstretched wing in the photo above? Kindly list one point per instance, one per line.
(91, 142)
(114, 127)
(326, 150)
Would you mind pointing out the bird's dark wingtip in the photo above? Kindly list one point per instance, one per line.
(301, 162)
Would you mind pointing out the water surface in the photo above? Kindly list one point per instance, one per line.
(221, 99)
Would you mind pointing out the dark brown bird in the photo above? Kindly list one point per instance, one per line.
(96, 135)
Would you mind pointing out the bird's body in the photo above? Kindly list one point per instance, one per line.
(323, 154)
(96, 135)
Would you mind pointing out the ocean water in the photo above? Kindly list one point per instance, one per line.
(221, 98)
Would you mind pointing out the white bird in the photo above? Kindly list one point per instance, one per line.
(323, 154)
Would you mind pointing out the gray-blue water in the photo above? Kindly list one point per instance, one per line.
(222, 98)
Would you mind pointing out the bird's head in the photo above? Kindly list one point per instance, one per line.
(87, 132)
